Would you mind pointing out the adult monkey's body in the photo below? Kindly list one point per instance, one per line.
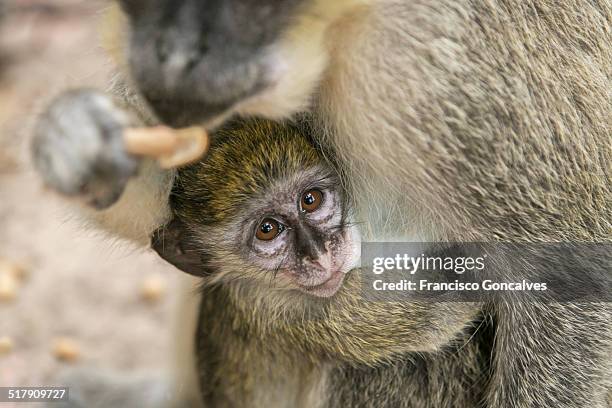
(452, 120)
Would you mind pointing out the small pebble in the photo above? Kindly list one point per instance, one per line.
(16, 270)
(6, 345)
(153, 288)
(66, 349)
(8, 287)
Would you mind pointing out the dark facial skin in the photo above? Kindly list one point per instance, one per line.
(195, 59)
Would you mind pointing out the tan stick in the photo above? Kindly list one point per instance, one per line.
(171, 147)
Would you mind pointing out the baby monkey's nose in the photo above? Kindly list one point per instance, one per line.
(322, 262)
(309, 243)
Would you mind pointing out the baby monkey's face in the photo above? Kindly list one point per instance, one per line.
(263, 209)
(297, 230)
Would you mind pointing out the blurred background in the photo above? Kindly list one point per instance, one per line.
(69, 297)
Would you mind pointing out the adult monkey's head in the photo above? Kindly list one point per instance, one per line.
(198, 61)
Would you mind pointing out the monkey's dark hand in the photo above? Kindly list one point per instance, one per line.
(78, 147)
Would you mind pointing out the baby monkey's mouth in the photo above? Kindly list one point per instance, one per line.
(327, 288)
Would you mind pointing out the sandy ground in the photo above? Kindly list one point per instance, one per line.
(78, 284)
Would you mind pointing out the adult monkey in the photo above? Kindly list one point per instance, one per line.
(453, 120)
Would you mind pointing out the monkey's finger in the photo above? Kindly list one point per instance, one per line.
(192, 144)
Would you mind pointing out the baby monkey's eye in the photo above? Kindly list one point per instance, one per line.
(269, 229)
(311, 200)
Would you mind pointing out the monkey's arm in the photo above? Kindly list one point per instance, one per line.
(78, 150)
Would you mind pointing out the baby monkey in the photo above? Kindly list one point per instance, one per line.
(263, 219)
(262, 207)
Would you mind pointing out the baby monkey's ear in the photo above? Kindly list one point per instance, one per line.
(176, 245)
